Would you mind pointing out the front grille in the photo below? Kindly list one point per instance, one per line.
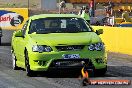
(70, 47)
(70, 62)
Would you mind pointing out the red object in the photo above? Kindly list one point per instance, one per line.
(91, 4)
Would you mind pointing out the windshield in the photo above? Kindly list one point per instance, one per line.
(59, 25)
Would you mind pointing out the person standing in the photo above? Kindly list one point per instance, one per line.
(81, 10)
(85, 14)
(63, 5)
(91, 8)
(110, 7)
(125, 16)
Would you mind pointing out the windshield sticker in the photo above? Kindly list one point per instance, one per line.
(63, 23)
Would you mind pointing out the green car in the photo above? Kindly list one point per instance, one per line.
(58, 41)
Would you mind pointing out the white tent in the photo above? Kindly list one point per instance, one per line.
(48, 4)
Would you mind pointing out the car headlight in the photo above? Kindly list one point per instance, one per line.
(91, 47)
(41, 48)
(97, 46)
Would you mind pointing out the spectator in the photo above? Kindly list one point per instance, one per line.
(110, 7)
(81, 10)
(85, 14)
(125, 16)
(63, 5)
(91, 9)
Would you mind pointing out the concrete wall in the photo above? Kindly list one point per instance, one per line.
(117, 39)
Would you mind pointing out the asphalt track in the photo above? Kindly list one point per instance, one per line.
(119, 67)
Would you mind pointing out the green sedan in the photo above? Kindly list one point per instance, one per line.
(58, 41)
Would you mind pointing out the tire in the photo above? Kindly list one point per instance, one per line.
(14, 65)
(29, 72)
(0, 40)
(101, 72)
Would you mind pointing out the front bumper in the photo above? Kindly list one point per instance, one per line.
(46, 61)
(66, 64)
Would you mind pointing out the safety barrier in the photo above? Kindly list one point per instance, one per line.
(119, 20)
(117, 39)
(126, 8)
(13, 18)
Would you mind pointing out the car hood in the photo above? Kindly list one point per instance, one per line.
(54, 39)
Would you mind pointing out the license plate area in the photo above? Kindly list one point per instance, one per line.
(70, 62)
(71, 56)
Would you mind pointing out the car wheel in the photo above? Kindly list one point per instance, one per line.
(29, 72)
(0, 40)
(14, 66)
(101, 72)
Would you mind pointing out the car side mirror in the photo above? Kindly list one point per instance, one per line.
(19, 34)
(100, 31)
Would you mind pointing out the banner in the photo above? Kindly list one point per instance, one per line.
(13, 18)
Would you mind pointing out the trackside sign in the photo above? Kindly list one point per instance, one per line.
(13, 18)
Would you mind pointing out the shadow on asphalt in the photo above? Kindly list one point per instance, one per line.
(113, 71)
(5, 44)
(60, 74)
(55, 74)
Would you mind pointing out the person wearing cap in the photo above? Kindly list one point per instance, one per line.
(85, 14)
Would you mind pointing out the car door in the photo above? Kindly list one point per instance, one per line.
(20, 46)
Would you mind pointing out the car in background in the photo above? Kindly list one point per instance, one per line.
(58, 41)
(96, 20)
(125, 24)
(100, 21)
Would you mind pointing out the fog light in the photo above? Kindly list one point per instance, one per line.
(40, 63)
(57, 63)
(99, 60)
(82, 62)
